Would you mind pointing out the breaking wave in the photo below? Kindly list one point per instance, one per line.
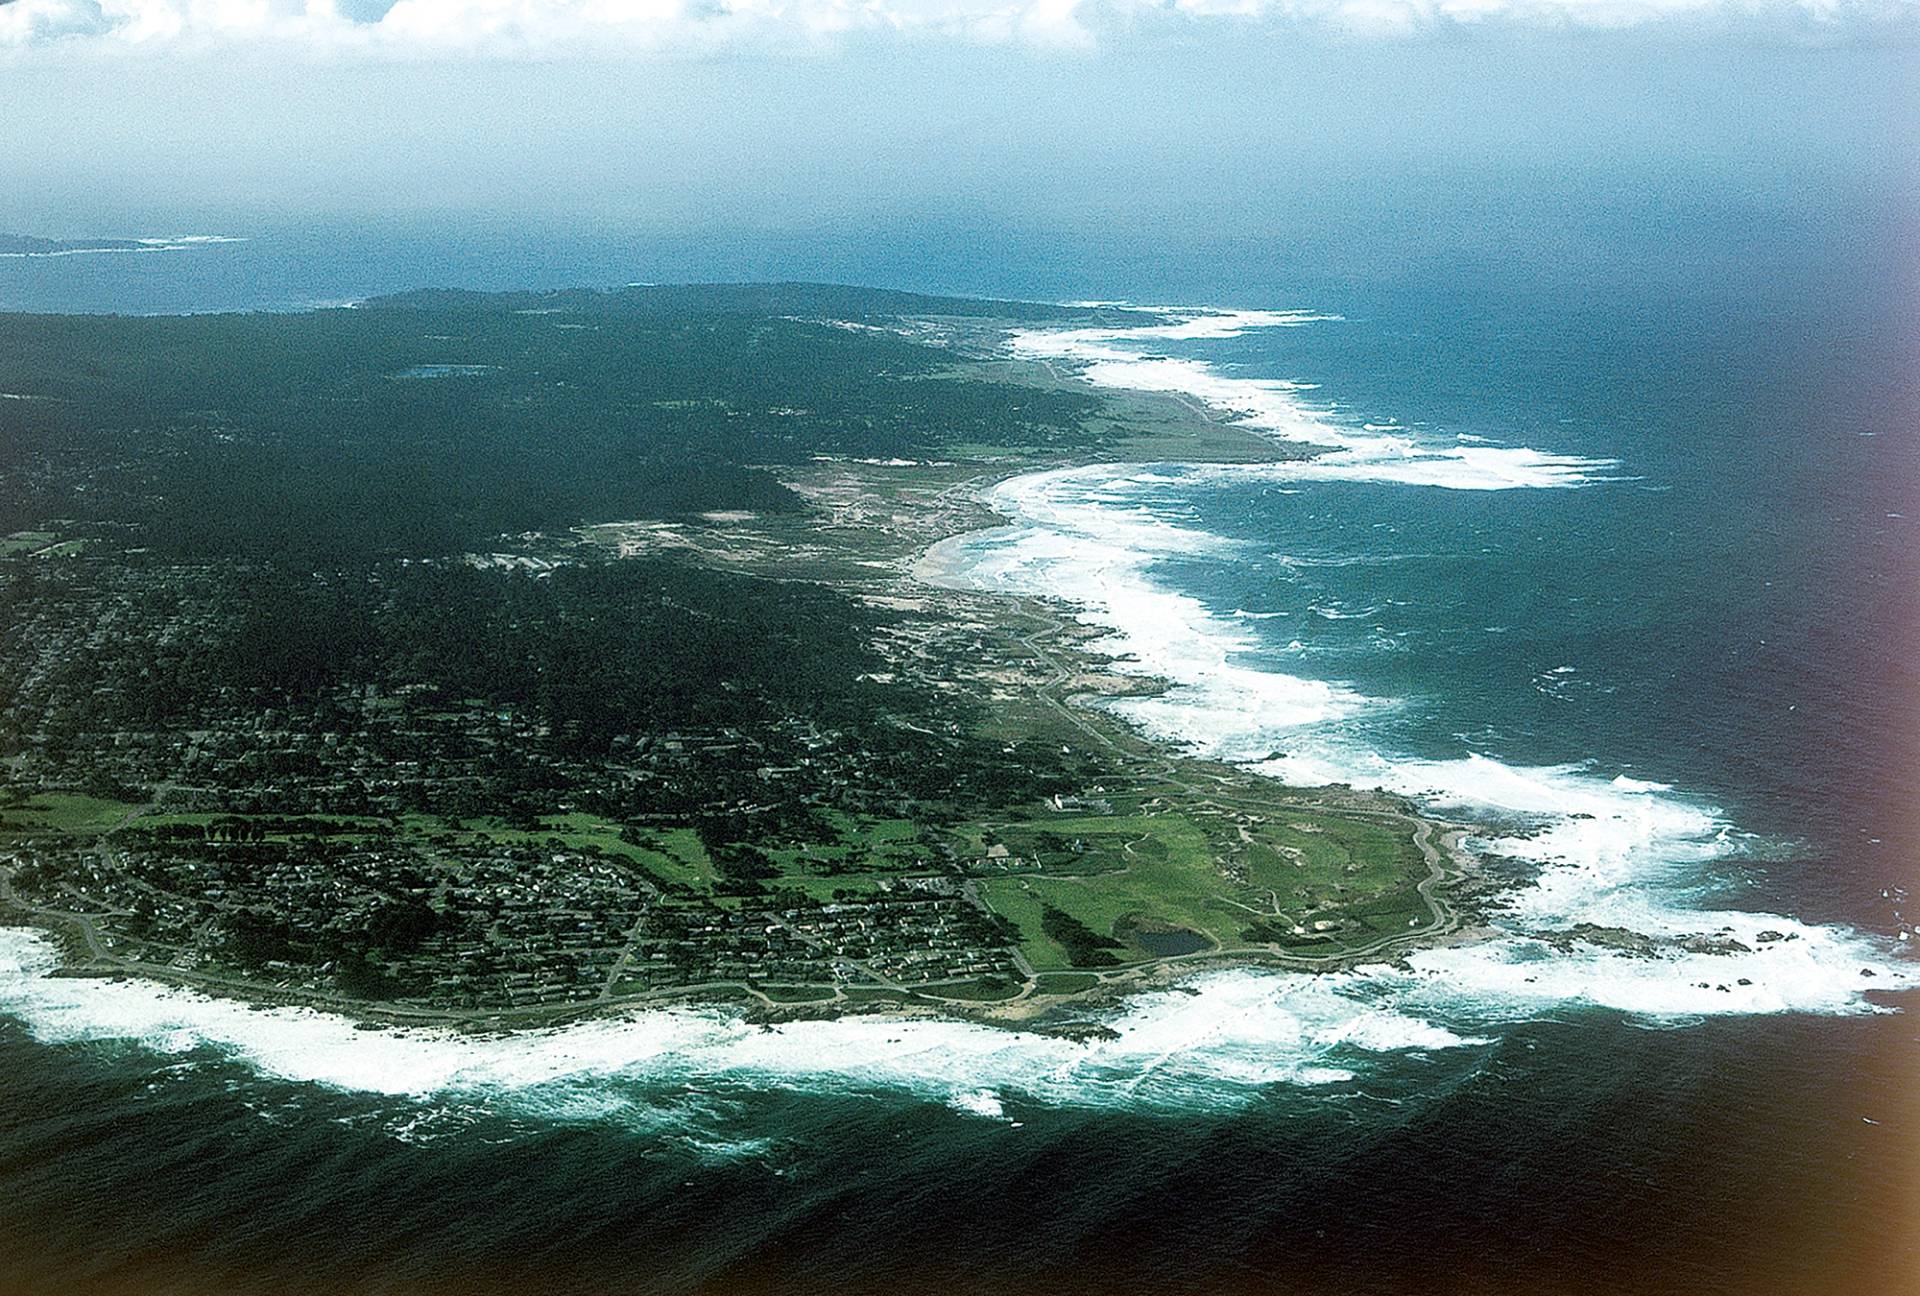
(1215, 1042)
(1620, 909)
(1274, 408)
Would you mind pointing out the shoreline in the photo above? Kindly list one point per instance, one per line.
(1446, 861)
(867, 533)
(1200, 435)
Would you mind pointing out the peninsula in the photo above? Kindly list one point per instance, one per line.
(488, 659)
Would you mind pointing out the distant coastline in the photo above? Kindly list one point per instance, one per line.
(22, 246)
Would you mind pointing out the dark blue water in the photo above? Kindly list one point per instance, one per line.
(1729, 1157)
(1740, 620)
(1732, 617)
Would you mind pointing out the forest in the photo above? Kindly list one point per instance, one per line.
(427, 424)
(274, 517)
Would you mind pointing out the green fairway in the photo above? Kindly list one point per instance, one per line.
(1142, 879)
(1322, 851)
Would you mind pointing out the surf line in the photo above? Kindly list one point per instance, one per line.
(1609, 919)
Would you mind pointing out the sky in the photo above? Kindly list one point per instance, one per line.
(548, 27)
(1226, 117)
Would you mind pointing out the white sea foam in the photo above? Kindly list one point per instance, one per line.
(1075, 533)
(1220, 1041)
(1609, 852)
(980, 1102)
(1365, 452)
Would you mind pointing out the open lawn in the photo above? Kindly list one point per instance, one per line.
(862, 851)
(21, 542)
(1120, 874)
(986, 991)
(63, 812)
(797, 994)
(674, 856)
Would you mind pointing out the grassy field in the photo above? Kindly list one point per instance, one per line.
(63, 812)
(974, 991)
(673, 855)
(1121, 873)
(797, 994)
(863, 852)
(1158, 867)
(24, 542)
(875, 995)
(1320, 858)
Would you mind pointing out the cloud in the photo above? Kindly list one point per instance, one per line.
(545, 27)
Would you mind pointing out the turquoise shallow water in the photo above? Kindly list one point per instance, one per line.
(1720, 611)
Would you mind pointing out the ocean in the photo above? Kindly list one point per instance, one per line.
(1613, 555)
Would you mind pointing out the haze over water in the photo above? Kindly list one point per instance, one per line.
(1636, 545)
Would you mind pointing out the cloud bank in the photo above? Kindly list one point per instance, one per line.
(543, 27)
